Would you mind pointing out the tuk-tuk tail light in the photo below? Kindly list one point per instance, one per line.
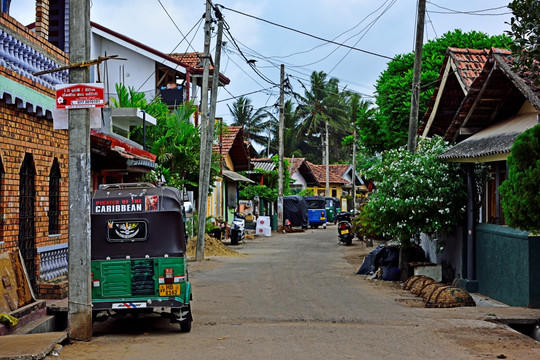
(168, 274)
(95, 283)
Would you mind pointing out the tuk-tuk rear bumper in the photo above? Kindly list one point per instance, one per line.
(140, 304)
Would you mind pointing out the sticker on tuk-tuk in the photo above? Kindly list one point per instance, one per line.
(129, 305)
(118, 205)
(151, 203)
(126, 230)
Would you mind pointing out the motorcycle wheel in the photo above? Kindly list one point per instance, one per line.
(234, 239)
(348, 241)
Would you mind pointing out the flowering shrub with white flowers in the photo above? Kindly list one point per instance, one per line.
(416, 193)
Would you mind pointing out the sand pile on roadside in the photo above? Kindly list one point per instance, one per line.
(212, 247)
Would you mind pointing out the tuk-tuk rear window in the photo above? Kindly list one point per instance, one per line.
(315, 204)
(127, 230)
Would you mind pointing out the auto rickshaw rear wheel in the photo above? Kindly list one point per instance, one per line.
(185, 327)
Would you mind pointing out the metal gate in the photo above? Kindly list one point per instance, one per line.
(27, 239)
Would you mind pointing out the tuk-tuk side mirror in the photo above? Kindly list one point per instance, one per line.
(188, 209)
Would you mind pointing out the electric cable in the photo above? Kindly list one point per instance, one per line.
(305, 33)
(470, 12)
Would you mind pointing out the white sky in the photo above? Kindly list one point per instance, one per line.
(392, 33)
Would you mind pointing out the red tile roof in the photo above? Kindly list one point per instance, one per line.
(232, 143)
(333, 177)
(194, 61)
(459, 70)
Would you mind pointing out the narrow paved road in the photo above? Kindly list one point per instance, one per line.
(295, 297)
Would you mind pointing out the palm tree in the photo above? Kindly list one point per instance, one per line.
(293, 146)
(322, 106)
(254, 122)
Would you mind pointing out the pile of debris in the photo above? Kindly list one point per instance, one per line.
(212, 247)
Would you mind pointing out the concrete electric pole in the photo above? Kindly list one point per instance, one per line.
(281, 145)
(204, 175)
(415, 96)
(80, 296)
(207, 122)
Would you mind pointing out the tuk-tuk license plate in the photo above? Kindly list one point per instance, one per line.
(322, 218)
(342, 232)
(169, 289)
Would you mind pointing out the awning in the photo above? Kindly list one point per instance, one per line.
(493, 143)
(234, 176)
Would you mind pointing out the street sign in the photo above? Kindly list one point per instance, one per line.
(80, 96)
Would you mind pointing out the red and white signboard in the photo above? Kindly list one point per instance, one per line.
(80, 96)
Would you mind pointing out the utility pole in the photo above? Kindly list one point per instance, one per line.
(280, 155)
(80, 296)
(204, 175)
(327, 159)
(354, 167)
(415, 96)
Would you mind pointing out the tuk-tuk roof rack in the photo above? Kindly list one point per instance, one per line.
(126, 186)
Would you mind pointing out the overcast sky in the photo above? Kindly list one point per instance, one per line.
(383, 27)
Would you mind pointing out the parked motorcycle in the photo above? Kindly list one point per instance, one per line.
(237, 228)
(344, 227)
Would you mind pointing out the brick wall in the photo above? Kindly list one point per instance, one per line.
(21, 133)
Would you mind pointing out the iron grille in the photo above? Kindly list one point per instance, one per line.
(26, 216)
(54, 198)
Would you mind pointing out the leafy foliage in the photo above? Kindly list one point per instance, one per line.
(174, 140)
(389, 128)
(521, 191)
(525, 32)
(416, 193)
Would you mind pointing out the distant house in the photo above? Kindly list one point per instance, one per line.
(234, 156)
(480, 105)
(338, 184)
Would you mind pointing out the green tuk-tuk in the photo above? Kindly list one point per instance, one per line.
(333, 207)
(138, 253)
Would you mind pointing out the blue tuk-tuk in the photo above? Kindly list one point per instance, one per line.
(316, 211)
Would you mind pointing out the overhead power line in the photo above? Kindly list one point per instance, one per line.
(481, 12)
(305, 33)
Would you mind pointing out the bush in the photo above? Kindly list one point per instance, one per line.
(520, 193)
(416, 193)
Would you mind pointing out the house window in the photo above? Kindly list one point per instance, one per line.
(334, 193)
(27, 194)
(54, 198)
(494, 213)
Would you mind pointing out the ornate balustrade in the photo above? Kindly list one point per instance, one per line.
(54, 261)
(25, 60)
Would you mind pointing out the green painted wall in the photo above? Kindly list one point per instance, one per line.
(508, 265)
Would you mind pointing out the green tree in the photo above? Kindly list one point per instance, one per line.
(293, 142)
(520, 193)
(394, 85)
(174, 140)
(526, 33)
(254, 122)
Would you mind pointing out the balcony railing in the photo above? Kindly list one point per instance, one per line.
(23, 59)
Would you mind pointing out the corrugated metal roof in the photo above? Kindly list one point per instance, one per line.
(263, 165)
(496, 139)
(236, 176)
